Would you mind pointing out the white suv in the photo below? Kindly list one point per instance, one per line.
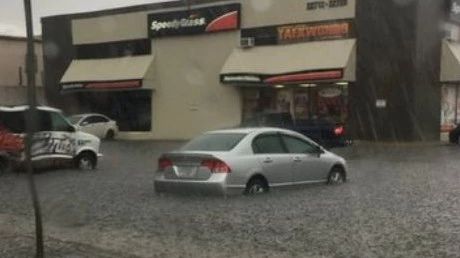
(55, 140)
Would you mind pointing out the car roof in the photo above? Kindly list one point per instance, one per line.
(26, 107)
(89, 114)
(250, 130)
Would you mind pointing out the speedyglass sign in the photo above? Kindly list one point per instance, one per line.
(195, 21)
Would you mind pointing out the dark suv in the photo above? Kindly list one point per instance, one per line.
(327, 133)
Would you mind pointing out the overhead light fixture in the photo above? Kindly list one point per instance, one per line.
(342, 83)
(309, 85)
(279, 86)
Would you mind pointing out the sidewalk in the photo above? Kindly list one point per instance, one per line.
(364, 149)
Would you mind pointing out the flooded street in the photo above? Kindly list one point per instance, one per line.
(401, 200)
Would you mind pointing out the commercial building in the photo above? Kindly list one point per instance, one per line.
(13, 80)
(172, 70)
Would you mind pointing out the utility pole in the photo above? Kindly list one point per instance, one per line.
(187, 2)
(31, 67)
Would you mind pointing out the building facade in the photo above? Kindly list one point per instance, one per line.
(13, 79)
(172, 70)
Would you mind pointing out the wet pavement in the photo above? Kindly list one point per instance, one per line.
(402, 200)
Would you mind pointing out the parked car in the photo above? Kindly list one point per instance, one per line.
(248, 160)
(95, 124)
(454, 135)
(327, 133)
(56, 141)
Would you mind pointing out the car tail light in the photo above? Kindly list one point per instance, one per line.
(216, 166)
(164, 163)
(339, 130)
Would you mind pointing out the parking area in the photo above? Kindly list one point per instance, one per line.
(402, 200)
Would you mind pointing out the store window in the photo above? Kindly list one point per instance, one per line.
(131, 109)
(450, 107)
(332, 103)
(302, 103)
(114, 49)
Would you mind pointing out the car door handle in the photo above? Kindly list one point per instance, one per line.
(268, 160)
(297, 159)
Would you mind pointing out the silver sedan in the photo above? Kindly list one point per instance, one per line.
(249, 161)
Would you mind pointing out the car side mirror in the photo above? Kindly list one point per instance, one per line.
(84, 123)
(319, 150)
(72, 128)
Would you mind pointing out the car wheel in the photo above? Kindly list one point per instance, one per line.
(110, 135)
(4, 166)
(336, 176)
(86, 161)
(256, 186)
(454, 138)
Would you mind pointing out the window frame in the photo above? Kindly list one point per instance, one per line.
(102, 119)
(44, 121)
(64, 121)
(254, 146)
(90, 120)
(242, 136)
(314, 146)
(84, 120)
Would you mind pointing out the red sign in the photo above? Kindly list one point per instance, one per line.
(311, 32)
(305, 77)
(10, 142)
(229, 21)
(195, 21)
(114, 85)
(109, 85)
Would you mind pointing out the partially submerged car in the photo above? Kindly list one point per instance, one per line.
(248, 160)
(56, 141)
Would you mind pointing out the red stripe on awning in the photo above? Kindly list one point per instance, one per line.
(114, 85)
(305, 77)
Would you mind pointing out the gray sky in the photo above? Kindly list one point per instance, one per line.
(12, 12)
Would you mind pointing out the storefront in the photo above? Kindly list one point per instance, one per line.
(153, 84)
(303, 69)
(450, 72)
(175, 69)
(302, 102)
(450, 89)
(117, 87)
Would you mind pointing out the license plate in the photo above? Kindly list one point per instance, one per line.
(186, 171)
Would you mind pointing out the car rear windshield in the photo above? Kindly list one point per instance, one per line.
(14, 121)
(214, 142)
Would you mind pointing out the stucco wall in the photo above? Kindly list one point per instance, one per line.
(259, 13)
(13, 56)
(110, 28)
(189, 98)
(10, 96)
(255, 13)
